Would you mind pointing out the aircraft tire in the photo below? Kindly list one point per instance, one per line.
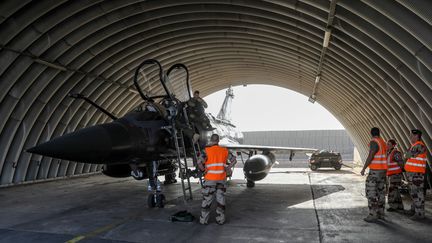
(150, 201)
(250, 184)
(160, 200)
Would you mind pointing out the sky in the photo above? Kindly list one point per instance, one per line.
(271, 108)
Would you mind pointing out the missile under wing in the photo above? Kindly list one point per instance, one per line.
(257, 166)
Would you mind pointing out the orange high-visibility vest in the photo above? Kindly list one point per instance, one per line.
(215, 163)
(418, 163)
(379, 161)
(393, 167)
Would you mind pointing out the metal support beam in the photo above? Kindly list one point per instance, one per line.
(326, 41)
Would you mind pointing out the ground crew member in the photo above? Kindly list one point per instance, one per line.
(375, 181)
(394, 174)
(214, 164)
(415, 168)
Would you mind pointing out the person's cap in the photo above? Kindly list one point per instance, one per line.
(416, 132)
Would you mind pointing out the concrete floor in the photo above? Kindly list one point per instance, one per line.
(290, 205)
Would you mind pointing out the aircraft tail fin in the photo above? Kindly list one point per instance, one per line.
(225, 111)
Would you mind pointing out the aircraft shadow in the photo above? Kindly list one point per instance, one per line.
(319, 171)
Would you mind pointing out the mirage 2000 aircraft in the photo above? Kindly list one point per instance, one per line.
(159, 136)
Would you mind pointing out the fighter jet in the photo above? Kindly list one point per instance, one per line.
(160, 135)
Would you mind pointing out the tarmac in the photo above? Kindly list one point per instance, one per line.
(290, 205)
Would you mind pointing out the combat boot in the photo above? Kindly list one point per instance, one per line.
(371, 219)
(220, 223)
(381, 214)
(220, 220)
(203, 221)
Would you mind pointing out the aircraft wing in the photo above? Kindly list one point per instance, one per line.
(267, 148)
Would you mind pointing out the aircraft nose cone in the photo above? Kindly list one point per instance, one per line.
(96, 144)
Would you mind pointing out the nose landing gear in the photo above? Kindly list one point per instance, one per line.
(156, 198)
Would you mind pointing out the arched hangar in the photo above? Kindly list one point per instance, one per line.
(368, 62)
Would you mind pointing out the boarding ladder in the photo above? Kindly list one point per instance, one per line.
(182, 163)
(184, 171)
(196, 148)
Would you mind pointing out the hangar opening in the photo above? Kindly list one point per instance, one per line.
(271, 115)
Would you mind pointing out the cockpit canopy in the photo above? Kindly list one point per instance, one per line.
(157, 84)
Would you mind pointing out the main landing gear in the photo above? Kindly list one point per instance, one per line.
(250, 183)
(170, 179)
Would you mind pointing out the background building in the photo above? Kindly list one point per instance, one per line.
(337, 140)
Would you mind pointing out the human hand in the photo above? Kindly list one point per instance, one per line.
(201, 167)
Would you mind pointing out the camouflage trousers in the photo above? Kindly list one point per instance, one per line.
(416, 188)
(209, 192)
(375, 191)
(394, 197)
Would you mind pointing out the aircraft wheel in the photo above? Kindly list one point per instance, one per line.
(338, 167)
(314, 167)
(150, 201)
(160, 200)
(250, 184)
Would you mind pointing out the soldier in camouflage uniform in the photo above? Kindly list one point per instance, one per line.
(196, 111)
(394, 174)
(415, 168)
(214, 164)
(210, 189)
(376, 180)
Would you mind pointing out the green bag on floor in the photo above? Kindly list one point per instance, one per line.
(182, 216)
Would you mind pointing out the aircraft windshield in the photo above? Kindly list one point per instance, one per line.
(177, 84)
(174, 83)
(149, 81)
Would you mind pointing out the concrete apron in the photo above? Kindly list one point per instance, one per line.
(290, 205)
